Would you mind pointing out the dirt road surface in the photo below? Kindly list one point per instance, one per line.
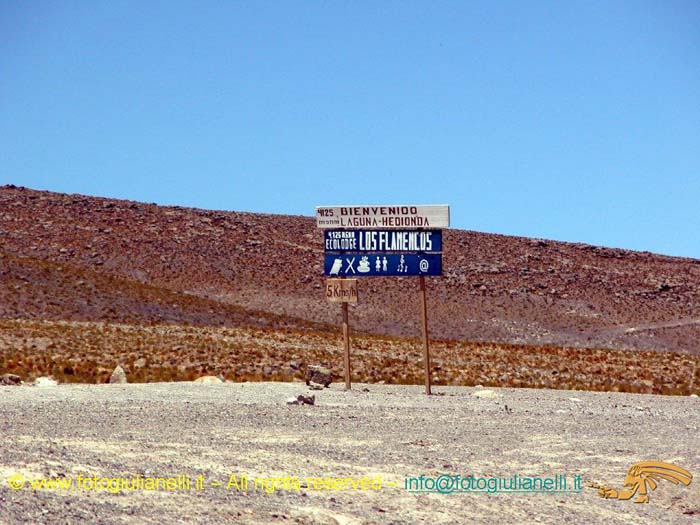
(389, 433)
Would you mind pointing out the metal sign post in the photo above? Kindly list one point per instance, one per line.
(343, 291)
(426, 341)
(346, 345)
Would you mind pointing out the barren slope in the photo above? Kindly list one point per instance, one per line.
(495, 288)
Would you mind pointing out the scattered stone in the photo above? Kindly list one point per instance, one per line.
(45, 381)
(301, 399)
(10, 380)
(208, 380)
(486, 394)
(118, 376)
(308, 400)
(318, 374)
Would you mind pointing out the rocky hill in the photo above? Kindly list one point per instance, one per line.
(78, 258)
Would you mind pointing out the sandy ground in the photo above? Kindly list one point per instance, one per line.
(211, 432)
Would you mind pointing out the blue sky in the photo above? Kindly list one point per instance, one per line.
(576, 121)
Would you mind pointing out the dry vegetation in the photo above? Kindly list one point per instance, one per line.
(87, 352)
(174, 293)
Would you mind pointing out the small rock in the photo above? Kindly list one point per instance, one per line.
(318, 374)
(301, 399)
(486, 394)
(118, 376)
(693, 395)
(307, 400)
(315, 386)
(10, 380)
(208, 380)
(45, 381)
(140, 363)
(575, 399)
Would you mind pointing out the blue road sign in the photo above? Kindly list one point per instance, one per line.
(382, 264)
(401, 241)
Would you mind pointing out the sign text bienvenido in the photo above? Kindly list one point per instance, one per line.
(423, 216)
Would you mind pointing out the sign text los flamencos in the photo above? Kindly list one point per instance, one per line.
(382, 240)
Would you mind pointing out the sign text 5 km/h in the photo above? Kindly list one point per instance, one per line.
(341, 290)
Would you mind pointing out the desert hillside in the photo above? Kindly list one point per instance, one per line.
(78, 258)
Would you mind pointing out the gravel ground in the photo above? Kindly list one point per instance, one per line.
(388, 432)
